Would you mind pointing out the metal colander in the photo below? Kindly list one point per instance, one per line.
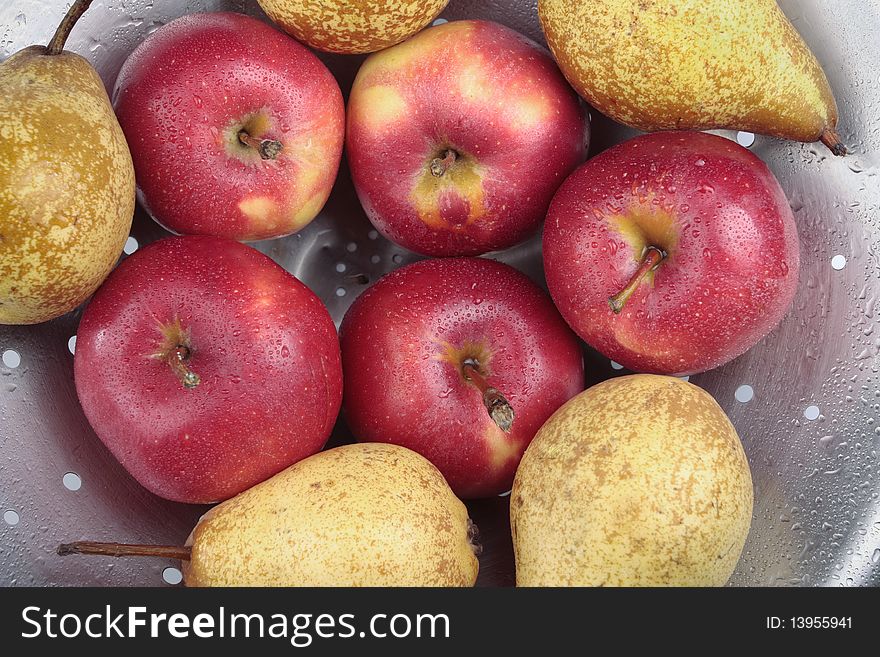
(805, 401)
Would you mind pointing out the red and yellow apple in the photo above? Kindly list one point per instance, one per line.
(206, 368)
(235, 129)
(461, 360)
(672, 253)
(459, 137)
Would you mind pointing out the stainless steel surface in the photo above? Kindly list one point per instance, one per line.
(811, 429)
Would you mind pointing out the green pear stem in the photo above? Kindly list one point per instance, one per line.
(56, 45)
(832, 140)
(125, 550)
(496, 404)
(440, 165)
(651, 259)
(269, 149)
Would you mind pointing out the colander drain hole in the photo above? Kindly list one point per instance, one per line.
(172, 575)
(72, 481)
(11, 358)
(131, 245)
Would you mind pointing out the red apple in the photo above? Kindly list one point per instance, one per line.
(458, 138)
(461, 360)
(672, 253)
(235, 129)
(206, 368)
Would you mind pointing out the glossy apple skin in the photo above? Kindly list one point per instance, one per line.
(490, 94)
(182, 97)
(403, 342)
(733, 261)
(263, 344)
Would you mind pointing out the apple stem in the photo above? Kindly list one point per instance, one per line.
(56, 45)
(125, 550)
(177, 362)
(268, 149)
(175, 349)
(440, 165)
(651, 259)
(831, 139)
(496, 404)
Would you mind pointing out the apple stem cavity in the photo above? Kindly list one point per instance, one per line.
(832, 140)
(125, 550)
(269, 149)
(56, 45)
(440, 165)
(175, 348)
(651, 259)
(496, 404)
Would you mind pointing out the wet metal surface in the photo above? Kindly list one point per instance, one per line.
(806, 401)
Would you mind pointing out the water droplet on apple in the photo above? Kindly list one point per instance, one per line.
(285, 352)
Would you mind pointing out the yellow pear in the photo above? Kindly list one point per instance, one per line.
(67, 190)
(638, 481)
(352, 26)
(360, 515)
(693, 64)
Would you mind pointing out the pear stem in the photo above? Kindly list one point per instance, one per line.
(56, 45)
(440, 165)
(651, 259)
(496, 404)
(125, 550)
(832, 140)
(268, 149)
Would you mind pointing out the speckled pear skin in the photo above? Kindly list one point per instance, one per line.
(680, 64)
(357, 515)
(67, 189)
(638, 481)
(352, 26)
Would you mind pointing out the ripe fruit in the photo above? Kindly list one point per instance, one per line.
(680, 64)
(672, 253)
(358, 515)
(352, 27)
(461, 360)
(458, 138)
(206, 368)
(66, 181)
(235, 129)
(638, 481)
